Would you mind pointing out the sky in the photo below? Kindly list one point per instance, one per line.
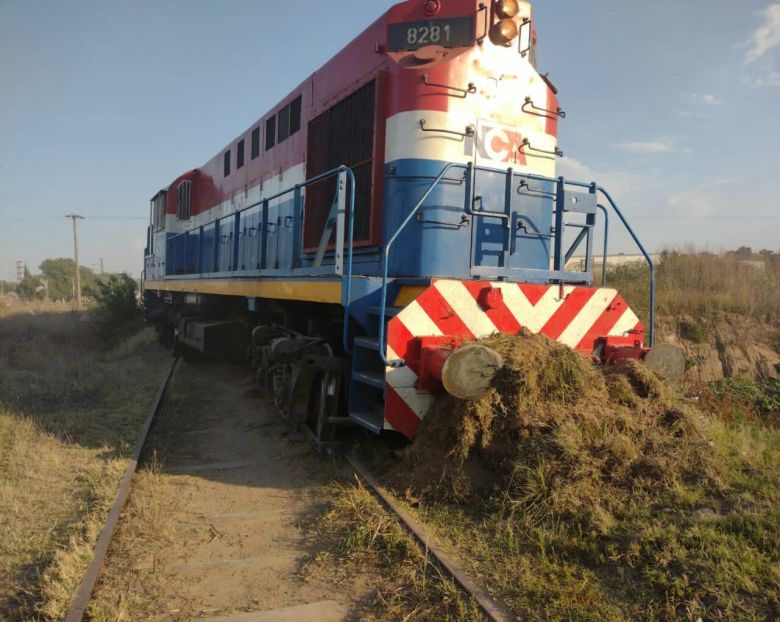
(672, 105)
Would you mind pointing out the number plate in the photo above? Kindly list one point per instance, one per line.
(448, 33)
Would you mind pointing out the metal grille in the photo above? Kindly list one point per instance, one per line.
(344, 134)
(184, 200)
(158, 211)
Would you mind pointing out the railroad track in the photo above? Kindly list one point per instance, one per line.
(79, 606)
(320, 611)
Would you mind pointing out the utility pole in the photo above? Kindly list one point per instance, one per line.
(74, 218)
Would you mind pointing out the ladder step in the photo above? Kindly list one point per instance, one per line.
(368, 343)
(372, 379)
(389, 311)
(372, 420)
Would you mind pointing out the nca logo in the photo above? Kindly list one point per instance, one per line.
(500, 143)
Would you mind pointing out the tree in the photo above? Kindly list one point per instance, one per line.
(61, 274)
(30, 286)
(118, 310)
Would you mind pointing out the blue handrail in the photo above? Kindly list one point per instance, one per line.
(649, 259)
(348, 301)
(606, 245)
(386, 256)
(347, 275)
(560, 180)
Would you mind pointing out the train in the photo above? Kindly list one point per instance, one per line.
(395, 208)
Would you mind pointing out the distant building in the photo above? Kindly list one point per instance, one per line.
(577, 264)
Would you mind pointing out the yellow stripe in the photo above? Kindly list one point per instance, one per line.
(407, 294)
(312, 291)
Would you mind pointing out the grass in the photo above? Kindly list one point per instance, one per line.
(69, 416)
(702, 284)
(360, 536)
(614, 500)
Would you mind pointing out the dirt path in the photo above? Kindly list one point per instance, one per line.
(216, 523)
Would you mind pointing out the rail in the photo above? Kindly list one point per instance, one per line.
(78, 607)
(558, 275)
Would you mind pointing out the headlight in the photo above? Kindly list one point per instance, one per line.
(506, 8)
(504, 32)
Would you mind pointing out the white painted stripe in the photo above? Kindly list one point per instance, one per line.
(586, 318)
(398, 377)
(419, 401)
(466, 308)
(532, 317)
(273, 185)
(418, 322)
(627, 322)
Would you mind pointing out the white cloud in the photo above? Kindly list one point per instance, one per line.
(656, 146)
(618, 183)
(574, 169)
(771, 79)
(696, 202)
(767, 36)
(703, 99)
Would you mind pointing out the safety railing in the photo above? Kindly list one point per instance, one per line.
(342, 212)
(559, 197)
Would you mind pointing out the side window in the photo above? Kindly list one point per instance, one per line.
(295, 115)
(255, 143)
(284, 123)
(270, 133)
(184, 200)
(289, 119)
(227, 163)
(240, 154)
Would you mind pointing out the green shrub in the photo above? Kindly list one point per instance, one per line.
(693, 330)
(762, 397)
(117, 308)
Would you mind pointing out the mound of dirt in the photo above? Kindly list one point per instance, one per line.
(724, 345)
(553, 429)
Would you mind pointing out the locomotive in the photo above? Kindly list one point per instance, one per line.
(398, 205)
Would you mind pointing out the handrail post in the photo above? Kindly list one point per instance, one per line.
(590, 221)
(347, 296)
(559, 209)
(297, 221)
(338, 258)
(236, 240)
(606, 245)
(217, 242)
(649, 260)
(264, 236)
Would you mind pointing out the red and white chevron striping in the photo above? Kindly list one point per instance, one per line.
(574, 316)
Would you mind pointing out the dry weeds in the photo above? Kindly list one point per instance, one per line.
(69, 416)
(360, 537)
(580, 495)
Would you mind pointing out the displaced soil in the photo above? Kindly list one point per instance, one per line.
(579, 493)
(725, 345)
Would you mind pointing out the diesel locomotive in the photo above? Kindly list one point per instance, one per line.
(398, 205)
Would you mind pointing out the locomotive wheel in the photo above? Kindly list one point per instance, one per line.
(323, 404)
(317, 409)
